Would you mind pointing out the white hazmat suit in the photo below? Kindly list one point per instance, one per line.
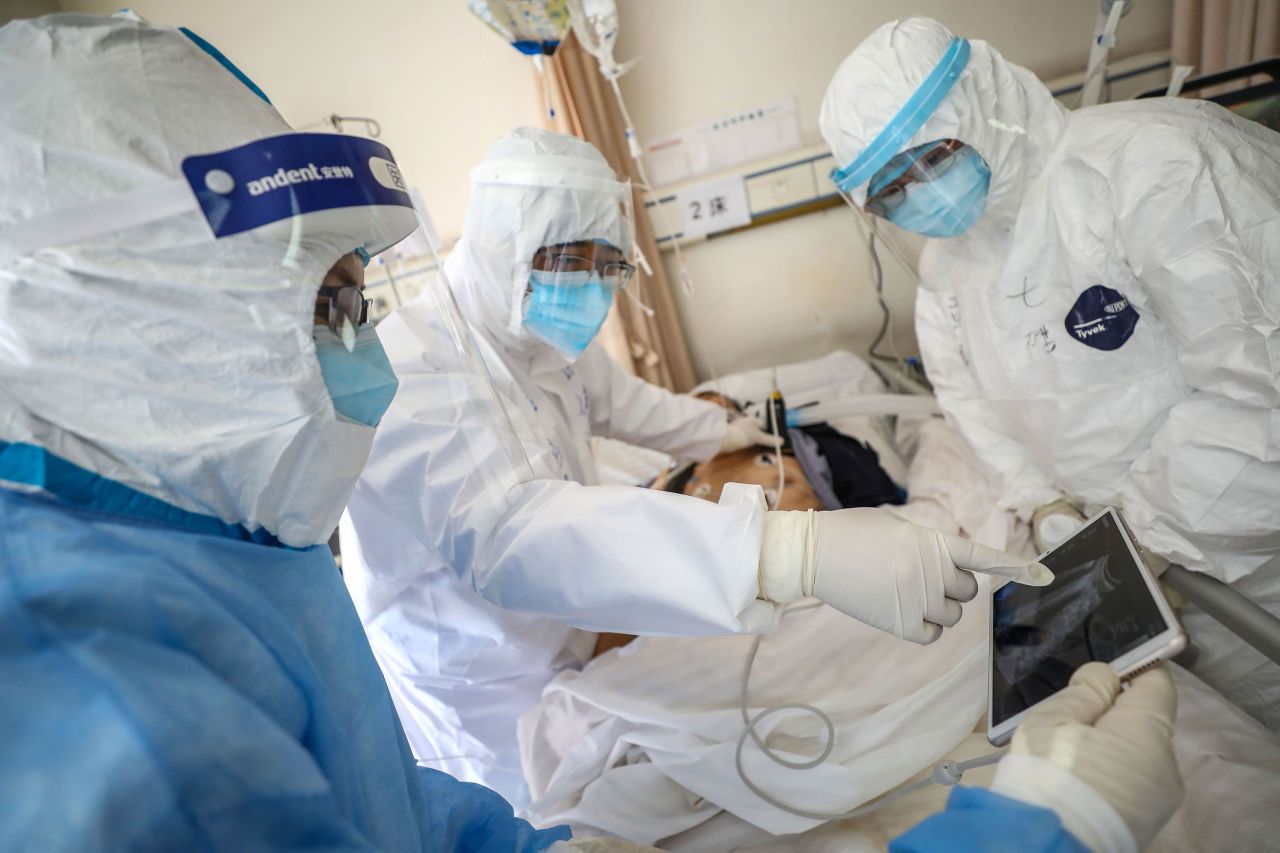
(445, 536)
(1107, 330)
(461, 668)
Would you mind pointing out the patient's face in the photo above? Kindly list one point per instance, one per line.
(754, 466)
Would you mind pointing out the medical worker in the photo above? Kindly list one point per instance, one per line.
(478, 548)
(1099, 304)
(180, 665)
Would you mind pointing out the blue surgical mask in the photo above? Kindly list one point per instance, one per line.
(948, 205)
(567, 309)
(361, 382)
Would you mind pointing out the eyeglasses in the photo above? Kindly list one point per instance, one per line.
(345, 303)
(923, 163)
(609, 267)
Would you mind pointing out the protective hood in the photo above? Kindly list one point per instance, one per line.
(154, 355)
(535, 188)
(999, 108)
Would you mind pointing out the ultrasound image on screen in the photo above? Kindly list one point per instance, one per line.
(1097, 608)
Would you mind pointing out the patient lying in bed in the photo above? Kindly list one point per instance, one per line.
(641, 742)
(821, 469)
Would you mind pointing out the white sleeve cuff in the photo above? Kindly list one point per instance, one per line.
(1083, 811)
(786, 556)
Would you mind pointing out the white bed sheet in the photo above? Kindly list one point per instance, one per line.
(1230, 766)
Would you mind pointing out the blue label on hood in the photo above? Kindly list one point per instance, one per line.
(1101, 318)
(293, 174)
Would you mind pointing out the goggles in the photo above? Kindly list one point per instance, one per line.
(346, 309)
(888, 188)
(601, 258)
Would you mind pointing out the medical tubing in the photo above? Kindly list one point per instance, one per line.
(635, 299)
(638, 158)
(886, 313)
(776, 428)
(865, 406)
(886, 325)
(885, 316)
(884, 238)
(946, 772)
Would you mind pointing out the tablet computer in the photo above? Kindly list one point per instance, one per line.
(1103, 605)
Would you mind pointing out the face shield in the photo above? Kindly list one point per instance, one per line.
(292, 202)
(571, 288)
(937, 189)
(240, 388)
(574, 245)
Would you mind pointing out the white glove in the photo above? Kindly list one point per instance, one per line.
(880, 569)
(1102, 759)
(742, 431)
(1053, 523)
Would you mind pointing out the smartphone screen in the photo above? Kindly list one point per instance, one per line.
(1098, 608)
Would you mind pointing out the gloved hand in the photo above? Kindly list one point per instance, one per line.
(1101, 758)
(742, 431)
(880, 569)
(1053, 523)
(599, 845)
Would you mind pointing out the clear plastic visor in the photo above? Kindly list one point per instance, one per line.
(890, 186)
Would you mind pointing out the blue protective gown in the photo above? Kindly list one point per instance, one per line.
(169, 683)
(978, 820)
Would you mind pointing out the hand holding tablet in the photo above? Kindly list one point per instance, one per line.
(1103, 605)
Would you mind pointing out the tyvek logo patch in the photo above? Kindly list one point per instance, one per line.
(1101, 318)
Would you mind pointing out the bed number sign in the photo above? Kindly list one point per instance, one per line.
(713, 206)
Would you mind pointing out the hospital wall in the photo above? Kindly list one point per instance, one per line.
(12, 9)
(442, 85)
(796, 289)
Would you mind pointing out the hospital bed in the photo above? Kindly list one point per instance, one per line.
(852, 396)
(640, 743)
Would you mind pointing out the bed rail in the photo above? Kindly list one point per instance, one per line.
(1238, 614)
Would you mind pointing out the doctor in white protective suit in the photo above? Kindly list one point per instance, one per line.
(1099, 310)
(478, 550)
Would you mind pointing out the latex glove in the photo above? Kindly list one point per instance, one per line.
(1053, 523)
(599, 845)
(1101, 758)
(880, 569)
(742, 431)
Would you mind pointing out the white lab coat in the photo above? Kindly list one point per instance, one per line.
(1109, 330)
(467, 580)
